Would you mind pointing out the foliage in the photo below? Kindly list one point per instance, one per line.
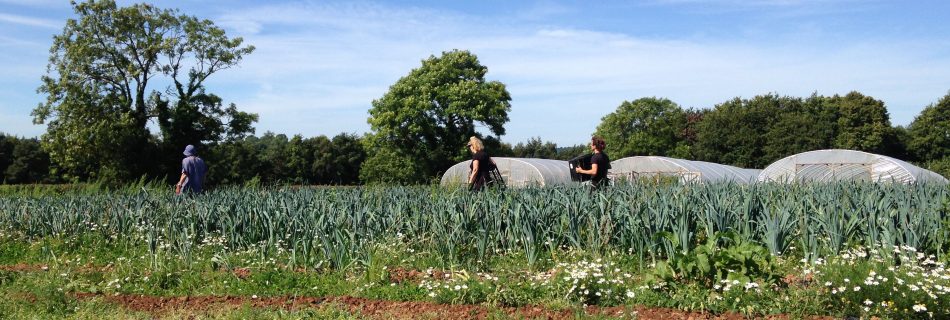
(336, 226)
(201, 121)
(567, 153)
(22, 160)
(74, 266)
(274, 158)
(391, 166)
(421, 125)
(752, 133)
(102, 70)
(940, 166)
(866, 281)
(864, 124)
(644, 127)
(804, 125)
(712, 262)
(130, 243)
(930, 132)
(346, 157)
(735, 131)
(595, 282)
(534, 148)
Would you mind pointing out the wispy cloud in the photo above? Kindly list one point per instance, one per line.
(30, 21)
(318, 72)
(319, 65)
(34, 3)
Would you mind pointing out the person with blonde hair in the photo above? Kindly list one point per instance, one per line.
(481, 166)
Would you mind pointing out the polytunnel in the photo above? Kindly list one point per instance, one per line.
(518, 172)
(654, 167)
(851, 165)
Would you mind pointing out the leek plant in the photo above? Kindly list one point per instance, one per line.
(338, 227)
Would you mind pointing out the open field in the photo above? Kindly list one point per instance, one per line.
(635, 251)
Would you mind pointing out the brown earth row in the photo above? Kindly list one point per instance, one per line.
(379, 309)
(386, 309)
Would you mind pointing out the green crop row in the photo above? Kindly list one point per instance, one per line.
(332, 227)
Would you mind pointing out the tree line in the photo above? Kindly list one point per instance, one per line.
(755, 132)
(423, 117)
(114, 70)
(749, 133)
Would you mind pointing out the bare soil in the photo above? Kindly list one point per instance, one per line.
(400, 275)
(385, 309)
(380, 309)
(23, 267)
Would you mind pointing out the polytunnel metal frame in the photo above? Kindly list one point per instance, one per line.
(517, 172)
(686, 171)
(841, 164)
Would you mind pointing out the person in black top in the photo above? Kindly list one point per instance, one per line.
(481, 165)
(599, 163)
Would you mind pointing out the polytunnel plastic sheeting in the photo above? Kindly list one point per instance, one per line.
(838, 164)
(684, 170)
(518, 172)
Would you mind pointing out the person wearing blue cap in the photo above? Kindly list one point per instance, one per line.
(193, 172)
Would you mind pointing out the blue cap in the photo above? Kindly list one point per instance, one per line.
(190, 150)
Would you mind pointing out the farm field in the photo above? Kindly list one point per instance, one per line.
(639, 251)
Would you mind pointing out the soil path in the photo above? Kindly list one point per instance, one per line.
(376, 309)
(385, 309)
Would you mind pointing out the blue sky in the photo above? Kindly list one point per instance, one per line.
(319, 64)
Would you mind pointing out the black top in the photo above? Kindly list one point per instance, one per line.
(603, 164)
(485, 165)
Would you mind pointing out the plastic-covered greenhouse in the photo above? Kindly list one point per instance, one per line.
(686, 171)
(518, 172)
(837, 164)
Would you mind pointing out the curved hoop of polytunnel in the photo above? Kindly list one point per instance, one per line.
(686, 171)
(846, 165)
(518, 172)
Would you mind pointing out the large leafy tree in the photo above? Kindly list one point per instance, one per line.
(733, 132)
(335, 161)
(348, 156)
(930, 132)
(864, 124)
(644, 127)
(420, 127)
(803, 125)
(113, 69)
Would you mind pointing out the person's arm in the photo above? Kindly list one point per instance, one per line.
(181, 180)
(592, 171)
(471, 177)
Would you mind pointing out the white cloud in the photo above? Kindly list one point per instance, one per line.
(325, 60)
(318, 66)
(30, 21)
